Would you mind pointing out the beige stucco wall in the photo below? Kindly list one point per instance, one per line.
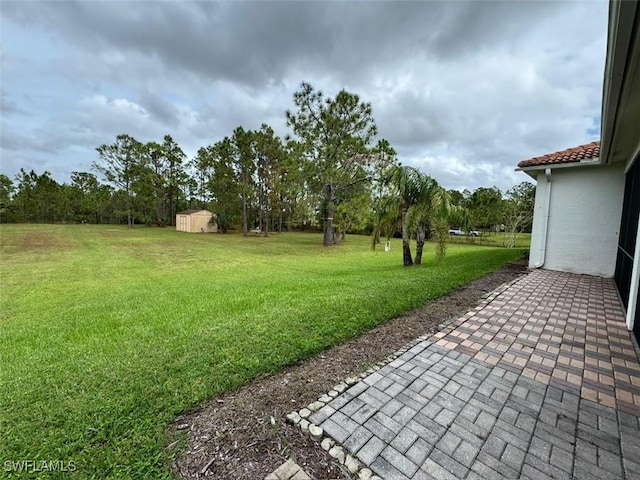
(584, 220)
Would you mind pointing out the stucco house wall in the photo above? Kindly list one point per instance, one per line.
(620, 139)
(583, 207)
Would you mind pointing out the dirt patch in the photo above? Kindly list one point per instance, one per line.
(243, 435)
(38, 241)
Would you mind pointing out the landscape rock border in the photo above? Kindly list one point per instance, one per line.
(243, 433)
(300, 418)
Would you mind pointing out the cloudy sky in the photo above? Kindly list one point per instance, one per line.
(462, 90)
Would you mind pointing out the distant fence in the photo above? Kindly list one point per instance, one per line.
(492, 239)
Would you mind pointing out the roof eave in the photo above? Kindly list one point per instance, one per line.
(621, 90)
(588, 162)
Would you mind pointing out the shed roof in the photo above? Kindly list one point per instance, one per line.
(570, 155)
(189, 212)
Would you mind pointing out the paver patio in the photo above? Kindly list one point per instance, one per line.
(540, 381)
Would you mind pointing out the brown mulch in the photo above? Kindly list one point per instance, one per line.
(243, 435)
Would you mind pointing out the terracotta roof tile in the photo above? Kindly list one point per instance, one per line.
(570, 155)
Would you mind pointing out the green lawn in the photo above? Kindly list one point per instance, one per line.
(493, 239)
(107, 334)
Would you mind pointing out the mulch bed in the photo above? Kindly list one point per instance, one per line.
(242, 434)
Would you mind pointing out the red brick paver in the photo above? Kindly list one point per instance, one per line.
(561, 329)
(539, 381)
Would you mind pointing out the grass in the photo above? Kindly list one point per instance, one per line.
(107, 333)
(494, 239)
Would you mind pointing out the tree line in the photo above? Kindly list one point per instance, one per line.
(327, 173)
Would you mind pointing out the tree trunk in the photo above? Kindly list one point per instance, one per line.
(160, 217)
(129, 205)
(328, 218)
(420, 236)
(129, 214)
(406, 247)
(172, 213)
(245, 227)
(266, 223)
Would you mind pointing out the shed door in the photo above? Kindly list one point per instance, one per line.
(627, 240)
(183, 223)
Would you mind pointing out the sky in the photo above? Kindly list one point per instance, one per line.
(463, 90)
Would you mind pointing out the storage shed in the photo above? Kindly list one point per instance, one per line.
(195, 221)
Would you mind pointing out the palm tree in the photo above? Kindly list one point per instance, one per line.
(423, 209)
(403, 182)
(429, 217)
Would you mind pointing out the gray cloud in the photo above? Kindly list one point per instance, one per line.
(462, 89)
(164, 112)
(7, 105)
(257, 42)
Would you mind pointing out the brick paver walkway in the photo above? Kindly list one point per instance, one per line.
(541, 381)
